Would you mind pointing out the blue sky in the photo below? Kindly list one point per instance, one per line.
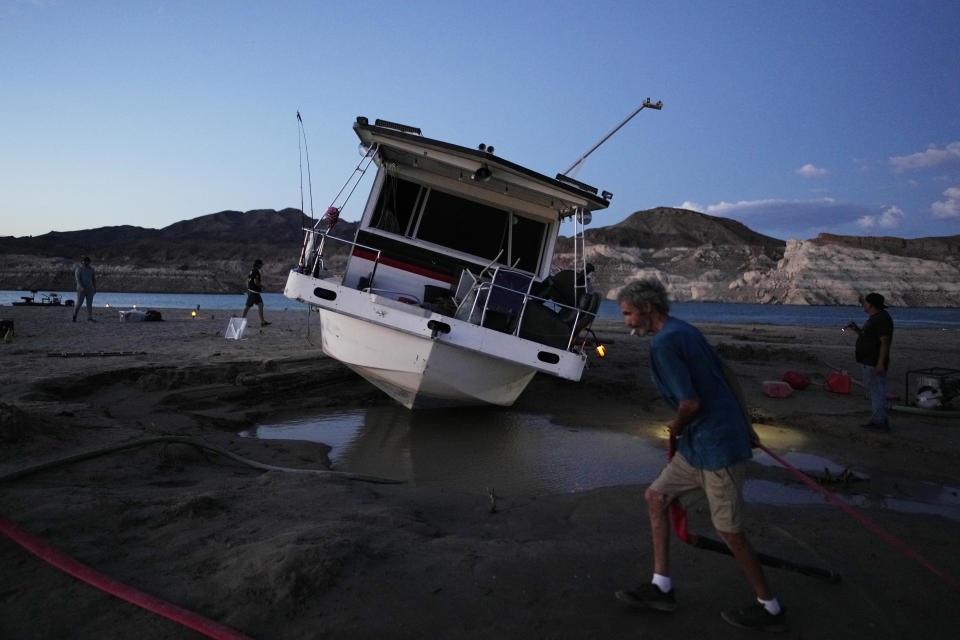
(794, 118)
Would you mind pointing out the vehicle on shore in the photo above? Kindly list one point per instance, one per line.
(46, 300)
(447, 297)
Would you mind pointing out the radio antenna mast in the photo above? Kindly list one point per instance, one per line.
(646, 103)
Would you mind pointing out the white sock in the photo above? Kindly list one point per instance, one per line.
(772, 606)
(663, 582)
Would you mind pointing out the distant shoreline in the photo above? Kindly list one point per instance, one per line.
(934, 318)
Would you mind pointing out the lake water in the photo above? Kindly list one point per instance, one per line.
(163, 300)
(907, 317)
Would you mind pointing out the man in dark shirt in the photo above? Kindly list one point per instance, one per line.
(873, 354)
(254, 288)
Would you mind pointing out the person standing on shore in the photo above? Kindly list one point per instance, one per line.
(873, 353)
(86, 279)
(254, 289)
(714, 440)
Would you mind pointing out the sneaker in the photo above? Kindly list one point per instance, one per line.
(265, 324)
(648, 596)
(755, 617)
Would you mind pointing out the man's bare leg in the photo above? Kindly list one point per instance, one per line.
(747, 559)
(659, 531)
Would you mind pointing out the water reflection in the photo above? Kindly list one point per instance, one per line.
(769, 492)
(882, 489)
(807, 462)
(474, 449)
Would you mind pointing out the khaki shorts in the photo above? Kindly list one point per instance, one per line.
(723, 488)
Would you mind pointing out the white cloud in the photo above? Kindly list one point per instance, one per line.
(932, 157)
(810, 171)
(722, 208)
(890, 218)
(949, 208)
(801, 218)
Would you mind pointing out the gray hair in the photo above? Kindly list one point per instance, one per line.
(639, 292)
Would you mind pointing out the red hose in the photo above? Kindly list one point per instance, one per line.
(80, 571)
(896, 542)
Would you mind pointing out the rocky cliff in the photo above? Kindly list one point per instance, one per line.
(700, 257)
(706, 258)
(821, 272)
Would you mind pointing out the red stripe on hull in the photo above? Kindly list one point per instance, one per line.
(403, 266)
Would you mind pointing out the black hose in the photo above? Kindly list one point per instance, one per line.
(196, 443)
(702, 542)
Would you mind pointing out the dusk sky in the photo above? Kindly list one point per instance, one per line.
(794, 118)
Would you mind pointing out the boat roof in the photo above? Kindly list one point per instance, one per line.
(405, 145)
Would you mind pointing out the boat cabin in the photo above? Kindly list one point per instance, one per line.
(462, 232)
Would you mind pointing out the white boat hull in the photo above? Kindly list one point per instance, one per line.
(420, 372)
(398, 348)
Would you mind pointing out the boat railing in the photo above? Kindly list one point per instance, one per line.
(503, 301)
(499, 298)
(311, 257)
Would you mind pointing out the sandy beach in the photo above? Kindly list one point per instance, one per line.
(282, 555)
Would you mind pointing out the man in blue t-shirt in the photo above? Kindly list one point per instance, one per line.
(713, 441)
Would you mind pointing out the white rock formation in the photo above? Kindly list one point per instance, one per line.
(809, 273)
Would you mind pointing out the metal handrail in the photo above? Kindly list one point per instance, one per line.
(318, 261)
(480, 285)
(487, 285)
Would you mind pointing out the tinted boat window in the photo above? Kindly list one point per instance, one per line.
(527, 243)
(464, 225)
(398, 201)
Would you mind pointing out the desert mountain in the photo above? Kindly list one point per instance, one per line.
(667, 227)
(208, 254)
(701, 257)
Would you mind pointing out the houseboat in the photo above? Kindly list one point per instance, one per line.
(448, 296)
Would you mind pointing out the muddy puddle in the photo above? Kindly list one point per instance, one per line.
(517, 453)
(473, 450)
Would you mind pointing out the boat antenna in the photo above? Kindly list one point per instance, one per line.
(646, 103)
(302, 148)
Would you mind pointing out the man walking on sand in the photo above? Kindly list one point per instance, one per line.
(873, 354)
(254, 288)
(714, 440)
(86, 279)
